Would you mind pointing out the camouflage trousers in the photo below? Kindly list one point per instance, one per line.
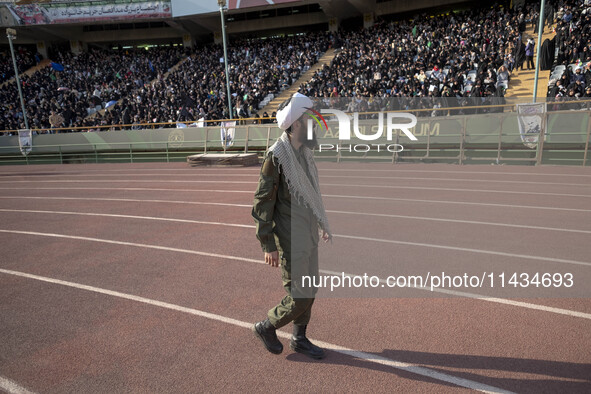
(296, 306)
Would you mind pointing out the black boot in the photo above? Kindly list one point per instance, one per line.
(301, 344)
(265, 331)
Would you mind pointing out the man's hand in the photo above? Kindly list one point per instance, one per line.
(272, 258)
(326, 236)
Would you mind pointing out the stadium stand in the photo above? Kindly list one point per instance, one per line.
(453, 55)
(132, 84)
(446, 56)
(74, 86)
(25, 59)
(570, 77)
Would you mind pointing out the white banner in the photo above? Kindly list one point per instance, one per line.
(25, 141)
(43, 14)
(530, 118)
(227, 133)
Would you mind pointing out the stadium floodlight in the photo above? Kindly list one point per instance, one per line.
(222, 4)
(11, 34)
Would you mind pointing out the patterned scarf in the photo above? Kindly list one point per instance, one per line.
(300, 186)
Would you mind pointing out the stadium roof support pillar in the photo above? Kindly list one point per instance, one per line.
(368, 20)
(76, 46)
(217, 37)
(42, 48)
(333, 24)
(187, 40)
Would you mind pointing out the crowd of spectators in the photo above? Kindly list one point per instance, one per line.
(25, 59)
(133, 87)
(467, 54)
(197, 89)
(431, 62)
(87, 82)
(573, 41)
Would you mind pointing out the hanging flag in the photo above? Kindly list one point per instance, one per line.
(227, 133)
(151, 66)
(57, 66)
(25, 141)
(530, 119)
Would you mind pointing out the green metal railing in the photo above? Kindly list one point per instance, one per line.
(464, 139)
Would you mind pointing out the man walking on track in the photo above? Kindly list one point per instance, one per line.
(289, 215)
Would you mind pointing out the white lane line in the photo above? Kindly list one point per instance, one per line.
(391, 241)
(327, 184)
(456, 179)
(236, 258)
(11, 387)
(453, 171)
(496, 300)
(324, 195)
(123, 243)
(451, 189)
(129, 200)
(412, 368)
(414, 200)
(126, 181)
(468, 250)
(254, 181)
(256, 170)
(329, 211)
(112, 215)
(132, 189)
(486, 204)
(323, 176)
(463, 221)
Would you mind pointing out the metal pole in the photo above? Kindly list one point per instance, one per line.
(11, 33)
(222, 3)
(587, 143)
(246, 142)
(541, 138)
(540, 27)
(500, 142)
(268, 138)
(462, 141)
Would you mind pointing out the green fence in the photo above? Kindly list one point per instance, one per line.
(486, 138)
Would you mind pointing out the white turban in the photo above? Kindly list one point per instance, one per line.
(296, 107)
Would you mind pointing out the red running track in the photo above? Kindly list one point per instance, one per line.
(146, 278)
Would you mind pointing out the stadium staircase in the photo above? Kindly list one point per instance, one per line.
(522, 81)
(30, 71)
(272, 104)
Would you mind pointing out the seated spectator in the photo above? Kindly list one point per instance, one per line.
(578, 76)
